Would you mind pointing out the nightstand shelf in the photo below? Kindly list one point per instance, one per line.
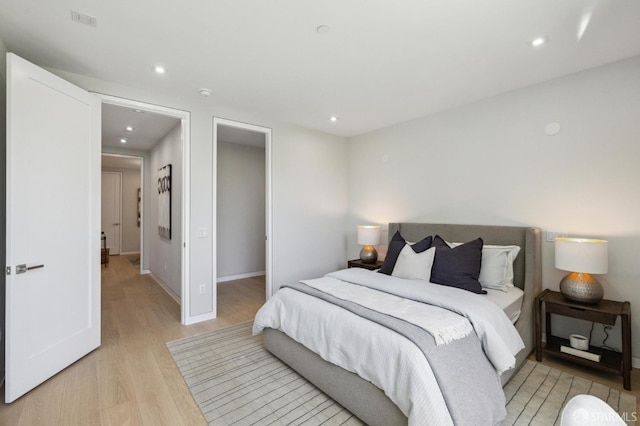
(606, 312)
(610, 362)
(357, 263)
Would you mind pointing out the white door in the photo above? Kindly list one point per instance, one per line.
(111, 209)
(53, 225)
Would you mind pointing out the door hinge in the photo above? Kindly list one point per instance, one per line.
(8, 270)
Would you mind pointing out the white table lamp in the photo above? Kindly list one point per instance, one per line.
(581, 257)
(368, 236)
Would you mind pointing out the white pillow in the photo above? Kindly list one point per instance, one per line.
(411, 265)
(496, 269)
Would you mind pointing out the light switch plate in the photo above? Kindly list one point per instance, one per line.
(552, 235)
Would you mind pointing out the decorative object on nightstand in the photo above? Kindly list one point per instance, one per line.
(368, 236)
(581, 257)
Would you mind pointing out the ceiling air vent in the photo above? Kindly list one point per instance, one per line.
(83, 19)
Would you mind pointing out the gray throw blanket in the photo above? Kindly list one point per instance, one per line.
(469, 384)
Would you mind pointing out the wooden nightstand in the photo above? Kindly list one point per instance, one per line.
(605, 312)
(357, 263)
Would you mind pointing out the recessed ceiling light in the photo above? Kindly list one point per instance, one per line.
(160, 69)
(128, 129)
(139, 111)
(323, 29)
(539, 41)
(205, 92)
(333, 119)
(123, 140)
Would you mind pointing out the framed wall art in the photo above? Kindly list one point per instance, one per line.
(164, 201)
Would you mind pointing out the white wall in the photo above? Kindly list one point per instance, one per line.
(240, 209)
(129, 221)
(310, 204)
(492, 163)
(165, 255)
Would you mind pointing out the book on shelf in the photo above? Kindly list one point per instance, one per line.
(582, 354)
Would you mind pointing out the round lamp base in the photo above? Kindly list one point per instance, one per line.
(368, 255)
(581, 288)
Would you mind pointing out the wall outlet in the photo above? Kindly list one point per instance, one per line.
(552, 235)
(203, 289)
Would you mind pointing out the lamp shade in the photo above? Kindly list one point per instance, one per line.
(368, 235)
(582, 255)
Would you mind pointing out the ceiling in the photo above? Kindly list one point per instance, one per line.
(382, 62)
(147, 128)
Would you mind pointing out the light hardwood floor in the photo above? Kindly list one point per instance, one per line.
(131, 379)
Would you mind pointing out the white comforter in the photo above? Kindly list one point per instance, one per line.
(379, 355)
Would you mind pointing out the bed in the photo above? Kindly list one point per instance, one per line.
(366, 400)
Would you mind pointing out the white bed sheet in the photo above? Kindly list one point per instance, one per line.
(509, 301)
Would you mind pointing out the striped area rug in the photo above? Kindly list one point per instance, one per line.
(235, 381)
(536, 395)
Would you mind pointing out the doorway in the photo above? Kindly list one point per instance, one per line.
(255, 141)
(127, 217)
(112, 210)
(162, 255)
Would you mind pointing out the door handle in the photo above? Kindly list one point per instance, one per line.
(116, 224)
(21, 269)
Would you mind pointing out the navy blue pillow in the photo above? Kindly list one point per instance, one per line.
(396, 245)
(459, 266)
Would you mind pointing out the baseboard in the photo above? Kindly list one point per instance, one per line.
(165, 287)
(240, 276)
(127, 253)
(144, 272)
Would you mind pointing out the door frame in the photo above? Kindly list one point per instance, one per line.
(102, 172)
(185, 118)
(142, 182)
(268, 202)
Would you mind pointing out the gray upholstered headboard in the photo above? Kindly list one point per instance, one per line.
(527, 268)
(527, 238)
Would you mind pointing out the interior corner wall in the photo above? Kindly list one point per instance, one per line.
(3, 199)
(492, 162)
(130, 242)
(240, 210)
(165, 258)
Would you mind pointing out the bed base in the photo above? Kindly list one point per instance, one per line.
(361, 397)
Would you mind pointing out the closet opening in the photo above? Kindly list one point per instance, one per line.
(242, 184)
